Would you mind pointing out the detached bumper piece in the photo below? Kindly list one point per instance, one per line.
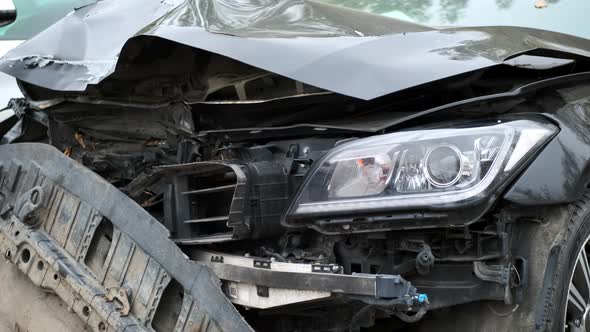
(261, 283)
(111, 262)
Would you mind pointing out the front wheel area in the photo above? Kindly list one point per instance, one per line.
(577, 317)
(558, 291)
(576, 302)
(557, 296)
(563, 302)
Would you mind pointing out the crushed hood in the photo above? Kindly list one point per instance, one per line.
(340, 50)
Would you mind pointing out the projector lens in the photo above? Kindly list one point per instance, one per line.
(443, 165)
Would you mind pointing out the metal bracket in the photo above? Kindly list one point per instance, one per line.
(122, 296)
(494, 273)
(263, 264)
(521, 269)
(28, 203)
(325, 268)
(309, 280)
(217, 259)
(424, 260)
(262, 291)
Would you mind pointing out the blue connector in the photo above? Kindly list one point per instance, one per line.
(422, 298)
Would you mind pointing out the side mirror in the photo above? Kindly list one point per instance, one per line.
(7, 12)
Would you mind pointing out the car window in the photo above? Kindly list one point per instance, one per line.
(34, 16)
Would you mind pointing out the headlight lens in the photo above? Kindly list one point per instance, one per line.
(435, 167)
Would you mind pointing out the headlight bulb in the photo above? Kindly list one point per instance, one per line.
(362, 176)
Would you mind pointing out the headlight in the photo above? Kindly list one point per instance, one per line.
(433, 168)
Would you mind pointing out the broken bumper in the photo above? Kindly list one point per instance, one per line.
(112, 263)
(50, 209)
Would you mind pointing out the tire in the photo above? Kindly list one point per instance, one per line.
(552, 249)
(567, 287)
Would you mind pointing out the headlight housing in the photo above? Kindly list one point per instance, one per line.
(434, 168)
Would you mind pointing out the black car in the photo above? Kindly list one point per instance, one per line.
(298, 166)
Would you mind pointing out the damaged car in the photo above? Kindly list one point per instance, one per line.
(297, 166)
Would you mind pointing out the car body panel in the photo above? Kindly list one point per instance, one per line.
(566, 158)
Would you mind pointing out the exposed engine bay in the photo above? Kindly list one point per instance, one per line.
(223, 176)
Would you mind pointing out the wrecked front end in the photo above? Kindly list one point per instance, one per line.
(174, 179)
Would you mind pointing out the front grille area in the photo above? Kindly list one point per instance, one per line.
(211, 202)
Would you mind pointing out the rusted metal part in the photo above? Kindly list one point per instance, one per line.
(90, 238)
(50, 268)
(120, 294)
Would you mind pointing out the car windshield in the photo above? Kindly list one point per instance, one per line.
(563, 16)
